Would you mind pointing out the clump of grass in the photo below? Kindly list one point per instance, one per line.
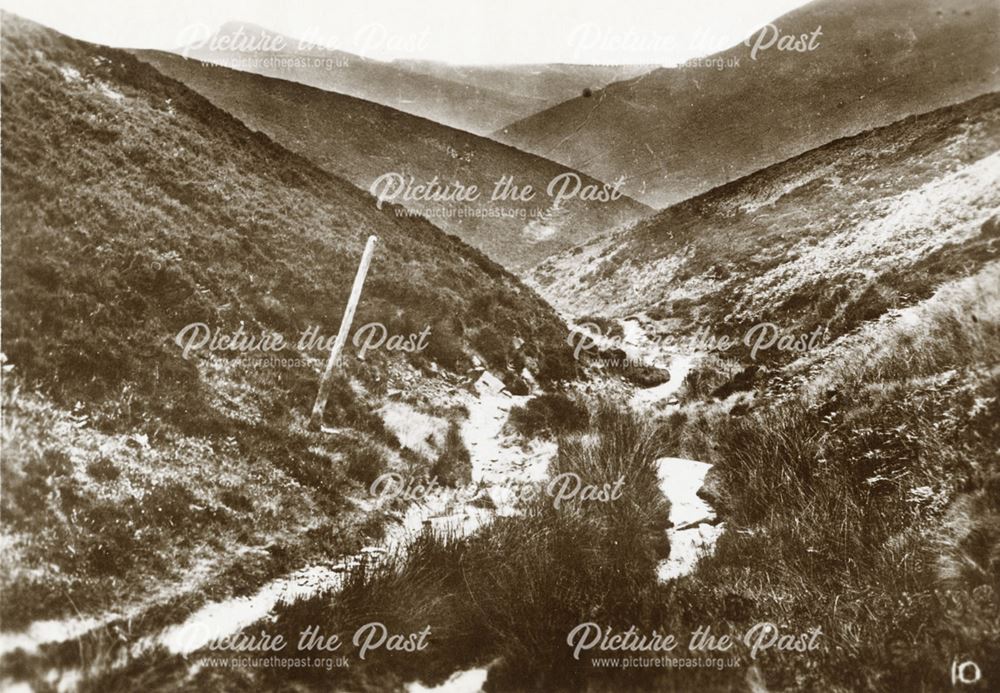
(103, 469)
(608, 327)
(867, 504)
(623, 446)
(365, 462)
(453, 466)
(709, 373)
(549, 414)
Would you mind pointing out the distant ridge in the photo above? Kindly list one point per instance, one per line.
(478, 99)
(677, 132)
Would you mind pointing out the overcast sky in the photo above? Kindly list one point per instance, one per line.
(459, 31)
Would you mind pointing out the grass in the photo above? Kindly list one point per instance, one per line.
(453, 466)
(808, 242)
(85, 510)
(338, 133)
(549, 415)
(867, 504)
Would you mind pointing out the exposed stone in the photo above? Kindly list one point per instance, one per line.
(712, 491)
(489, 382)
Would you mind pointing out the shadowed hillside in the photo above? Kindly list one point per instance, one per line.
(677, 132)
(362, 141)
(831, 238)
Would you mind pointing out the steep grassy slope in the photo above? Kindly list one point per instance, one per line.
(834, 237)
(132, 207)
(677, 132)
(867, 504)
(475, 99)
(362, 141)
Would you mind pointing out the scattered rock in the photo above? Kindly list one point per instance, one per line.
(712, 491)
(489, 382)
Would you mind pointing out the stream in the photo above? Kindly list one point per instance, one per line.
(496, 463)
(695, 529)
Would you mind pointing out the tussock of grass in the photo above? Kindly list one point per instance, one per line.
(365, 462)
(453, 466)
(549, 414)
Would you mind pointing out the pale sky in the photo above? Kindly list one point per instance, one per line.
(458, 31)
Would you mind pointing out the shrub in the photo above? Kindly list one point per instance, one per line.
(647, 376)
(608, 327)
(453, 466)
(492, 346)
(103, 469)
(557, 366)
(365, 462)
(445, 346)
(549, 414)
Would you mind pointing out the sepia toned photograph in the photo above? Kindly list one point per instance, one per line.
(461, 347)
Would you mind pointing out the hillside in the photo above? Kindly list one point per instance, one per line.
(132, 208)
(832, 238)
(543, 85)
(677, 132)
(472, 98)
(362, 141)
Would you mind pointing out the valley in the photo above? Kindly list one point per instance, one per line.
(475, 98)
(755, 429)
(469, 185)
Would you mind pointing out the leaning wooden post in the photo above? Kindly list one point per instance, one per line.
(345, 327)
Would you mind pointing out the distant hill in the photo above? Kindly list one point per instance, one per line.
(548, 84)
(677, 132)
(834, 237)
(362, 141)
(478, 99)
